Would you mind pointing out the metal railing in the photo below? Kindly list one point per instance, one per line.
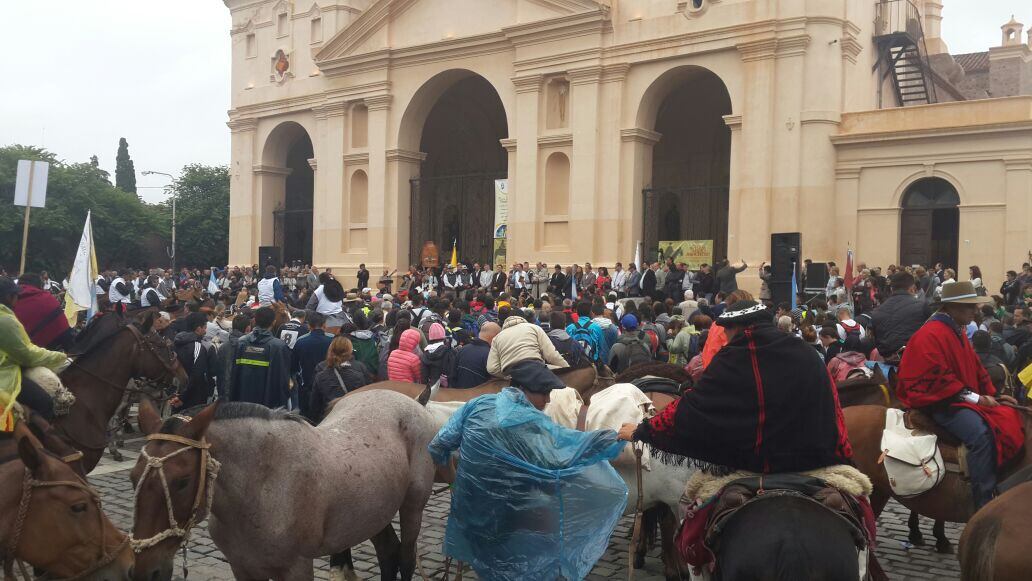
(898, 17)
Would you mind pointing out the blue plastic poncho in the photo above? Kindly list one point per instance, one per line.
(532, 499)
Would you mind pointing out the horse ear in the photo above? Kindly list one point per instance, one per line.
(198, 426)
(28, 451)
(149, 418)
(148, 322)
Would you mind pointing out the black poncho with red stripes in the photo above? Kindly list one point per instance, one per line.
(765, 404)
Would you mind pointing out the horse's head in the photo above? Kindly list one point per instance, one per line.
(154, 359)
(174, 483)
(64, 531)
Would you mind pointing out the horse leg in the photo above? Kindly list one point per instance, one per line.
(300, 570)
(342, 567)
(916, 537)
(942, 544)
(668, 531)
(411, 519)
(647, 535)
(387, 549)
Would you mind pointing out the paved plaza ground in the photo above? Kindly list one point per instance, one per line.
(903, 563)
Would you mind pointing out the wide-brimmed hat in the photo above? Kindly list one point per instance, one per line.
(744, 313)
(352, 298)
(961, 293)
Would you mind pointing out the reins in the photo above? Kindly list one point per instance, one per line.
(139, 343)
(208, 472)
(28, 485)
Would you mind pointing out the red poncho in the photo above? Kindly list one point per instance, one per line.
(939, 363)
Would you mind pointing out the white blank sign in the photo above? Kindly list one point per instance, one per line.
(40, 169)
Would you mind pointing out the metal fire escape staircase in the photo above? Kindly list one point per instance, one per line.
(902, 52)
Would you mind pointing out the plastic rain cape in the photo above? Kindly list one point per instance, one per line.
(532, 500)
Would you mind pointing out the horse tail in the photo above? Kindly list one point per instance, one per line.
(650, 520)
(978, 556)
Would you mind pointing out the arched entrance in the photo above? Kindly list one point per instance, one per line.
(691, 163)
(453, 199)
(291, 184)
(930, 223)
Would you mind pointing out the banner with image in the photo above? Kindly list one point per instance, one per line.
(694, 253)
(501, 217)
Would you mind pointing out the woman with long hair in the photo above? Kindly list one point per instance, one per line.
(976, 280)
(336, 376)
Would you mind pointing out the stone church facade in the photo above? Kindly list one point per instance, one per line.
(363, 128)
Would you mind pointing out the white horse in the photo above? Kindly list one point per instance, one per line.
(281, 493)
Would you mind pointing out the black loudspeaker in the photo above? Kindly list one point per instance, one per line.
(816, 277)
(785, 250)
(270, 255)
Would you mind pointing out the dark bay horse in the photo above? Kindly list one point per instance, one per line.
(950, 501)
(108, 353)
(54, 520)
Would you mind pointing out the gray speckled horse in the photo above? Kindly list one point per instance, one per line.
(284, 492)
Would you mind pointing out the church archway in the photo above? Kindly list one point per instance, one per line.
(691, 162)
(452, 200)
(290, 184)
(930, 223)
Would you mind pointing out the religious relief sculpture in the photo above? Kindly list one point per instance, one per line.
(280, 67)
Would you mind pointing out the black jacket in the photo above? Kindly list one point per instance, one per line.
(438, 360)
(648, 282)
(200, 364)
(896, 321)
(328, 388)
(557, 283)
(261, 373)
(672, 284)
(471, 365)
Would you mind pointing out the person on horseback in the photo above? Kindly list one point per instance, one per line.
(16, 352)
(524, 484)
(521, 341)
(941, 375)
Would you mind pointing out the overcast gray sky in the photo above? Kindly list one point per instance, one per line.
(79, 74)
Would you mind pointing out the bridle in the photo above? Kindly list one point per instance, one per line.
(208, 472)
(28, 485)
(141, 384)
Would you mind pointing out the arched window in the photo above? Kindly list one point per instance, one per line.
(557, 185)
(930, 223)
(360, 126)
(359, 197)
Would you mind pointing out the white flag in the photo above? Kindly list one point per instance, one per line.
(81, 293)
(213, 285)
(637, 255)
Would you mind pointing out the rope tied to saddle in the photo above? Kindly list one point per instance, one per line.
(208, 471)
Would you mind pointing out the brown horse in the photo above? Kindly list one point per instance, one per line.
(950, 501)
(54, 520)
(109, 352)
(994, 546)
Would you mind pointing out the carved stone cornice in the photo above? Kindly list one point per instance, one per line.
(561, 140)
(615, 73)
(585, 75)
(508, 144)
(405, 155)
(356, 158)
(242, 125)
(378, 102)
(528, 83)
(335, 109)
(271, 170)
(733, 122)
(639, 135)
(775, 47)
(851, 48)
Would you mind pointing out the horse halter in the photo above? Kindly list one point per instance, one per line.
(208, 472)
(28, 485)
(143, 383)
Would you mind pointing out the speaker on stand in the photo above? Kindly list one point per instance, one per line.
(785, 250)
(269, 255)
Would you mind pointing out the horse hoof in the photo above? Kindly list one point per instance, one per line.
(944, 548)
(916, 539)
(338, 574)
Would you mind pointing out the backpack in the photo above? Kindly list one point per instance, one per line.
(572, 351)
(589, 342)
(852, 334)
(469, 323)
(638, 350)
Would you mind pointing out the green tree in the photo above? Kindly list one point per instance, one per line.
(126, 230)
(202, 215)
(125, 172)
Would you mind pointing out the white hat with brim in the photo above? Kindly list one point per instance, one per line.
(961, 293)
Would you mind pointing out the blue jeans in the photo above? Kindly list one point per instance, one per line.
(971, 429)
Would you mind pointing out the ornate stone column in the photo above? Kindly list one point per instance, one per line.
(328, 199)
(243, 219)
(584, 122)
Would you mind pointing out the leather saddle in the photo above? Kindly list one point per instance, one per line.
(653, 384)
(745, 491)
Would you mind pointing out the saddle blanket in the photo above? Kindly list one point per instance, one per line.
(702, 487)
(51, 383)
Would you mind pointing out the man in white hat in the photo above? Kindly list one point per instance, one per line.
(940, 374)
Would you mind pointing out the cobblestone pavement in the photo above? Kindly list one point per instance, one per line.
(902, 562)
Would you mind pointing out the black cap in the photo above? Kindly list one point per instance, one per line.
(744, 313)
(535, 377)
(8, 287)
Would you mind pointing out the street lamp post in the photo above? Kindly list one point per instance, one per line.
(172, 252)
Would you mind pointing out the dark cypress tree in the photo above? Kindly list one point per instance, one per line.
(125, 173)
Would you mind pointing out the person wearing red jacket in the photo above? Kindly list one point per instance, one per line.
(42, 315)
(941, 374)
